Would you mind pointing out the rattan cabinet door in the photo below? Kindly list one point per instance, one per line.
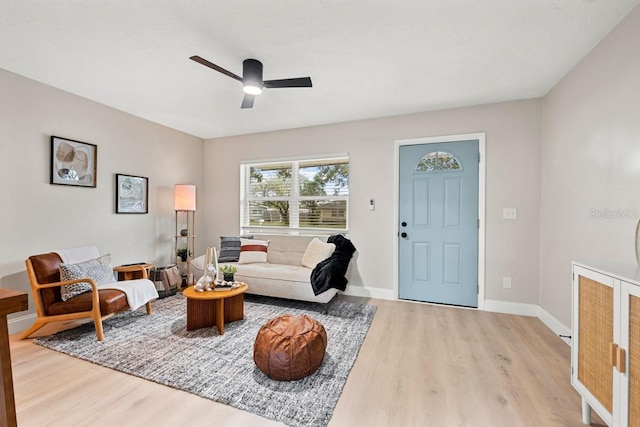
(630, 382)
(593, 332)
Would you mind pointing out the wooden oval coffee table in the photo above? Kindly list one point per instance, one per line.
(205, 309)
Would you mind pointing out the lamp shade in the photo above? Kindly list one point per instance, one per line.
(185, 197)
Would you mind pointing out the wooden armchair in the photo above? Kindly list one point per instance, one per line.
(98, 304)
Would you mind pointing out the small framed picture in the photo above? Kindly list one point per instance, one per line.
(73, 162)
(132, 194)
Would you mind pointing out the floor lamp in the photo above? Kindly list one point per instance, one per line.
(185, 207)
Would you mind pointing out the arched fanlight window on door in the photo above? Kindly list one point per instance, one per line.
(438, 161)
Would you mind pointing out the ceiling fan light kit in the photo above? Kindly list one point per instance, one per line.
(252, 83)
(252, 89)
(252, 76)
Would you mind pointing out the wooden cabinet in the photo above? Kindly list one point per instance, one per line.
(10, 302)
(605, 359)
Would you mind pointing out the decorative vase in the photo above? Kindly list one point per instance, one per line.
(184, 232)
(228, 277)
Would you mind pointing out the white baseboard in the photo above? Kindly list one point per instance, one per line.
(555, 325)
(21, 323)
(511, 308)
(531, 310)
(521, 309)
(359, 291)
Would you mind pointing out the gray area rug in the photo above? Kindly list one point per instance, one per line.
(221, 368)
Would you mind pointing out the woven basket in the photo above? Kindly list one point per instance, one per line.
(155, 275)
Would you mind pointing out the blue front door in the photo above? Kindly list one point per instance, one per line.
(438, 223)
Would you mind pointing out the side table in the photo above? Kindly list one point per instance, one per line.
(133, 271)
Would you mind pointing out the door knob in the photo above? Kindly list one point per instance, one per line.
(404, 224)
(403, 234)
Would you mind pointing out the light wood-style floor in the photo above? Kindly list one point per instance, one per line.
(420, 365)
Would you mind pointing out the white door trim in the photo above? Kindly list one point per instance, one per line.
(480, 136)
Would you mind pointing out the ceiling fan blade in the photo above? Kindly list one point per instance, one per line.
(297, 82)
(247, 101)
(215, 67)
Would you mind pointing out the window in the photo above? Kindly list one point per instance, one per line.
(295, 195)
(438, 161)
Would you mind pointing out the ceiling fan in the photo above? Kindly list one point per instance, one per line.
(252, 83)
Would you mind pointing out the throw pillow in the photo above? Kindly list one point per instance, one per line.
(98, 269)
(317, 251)
(253, 251)
(230, 248)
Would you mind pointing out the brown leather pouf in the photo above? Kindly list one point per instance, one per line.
(290, 347)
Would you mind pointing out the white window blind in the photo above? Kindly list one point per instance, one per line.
(295, 196)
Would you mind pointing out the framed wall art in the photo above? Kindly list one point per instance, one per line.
(73, 162)
(132, 194)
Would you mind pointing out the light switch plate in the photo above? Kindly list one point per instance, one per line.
(509, 213)
(506, 282)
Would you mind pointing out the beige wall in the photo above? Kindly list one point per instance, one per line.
(591, 164)
(513, 176)
(38, 217)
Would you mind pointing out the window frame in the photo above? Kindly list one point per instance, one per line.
(294, 198)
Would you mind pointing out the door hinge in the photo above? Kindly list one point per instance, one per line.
(479, 157)
(478, 223)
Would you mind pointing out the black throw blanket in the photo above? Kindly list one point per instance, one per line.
(330, 272)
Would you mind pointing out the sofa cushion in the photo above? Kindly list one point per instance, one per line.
(281, 272)
(282, 281)
(230, 248)
(252, 251)
(98, 269)
(316, 252)
(287, 249)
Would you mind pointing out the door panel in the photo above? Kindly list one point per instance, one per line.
(421, 259)
(421, 203)
(452, 264)
(438, 259)
(452, 203)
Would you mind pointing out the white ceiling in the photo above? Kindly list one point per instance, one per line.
(366, 58)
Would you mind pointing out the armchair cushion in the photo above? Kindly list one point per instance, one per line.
(98, 269)
(46, 268)
(111, 301)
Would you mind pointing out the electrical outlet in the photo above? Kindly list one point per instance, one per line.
(509, 213)
(506, 282)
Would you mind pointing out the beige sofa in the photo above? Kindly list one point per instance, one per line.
(283, 275)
